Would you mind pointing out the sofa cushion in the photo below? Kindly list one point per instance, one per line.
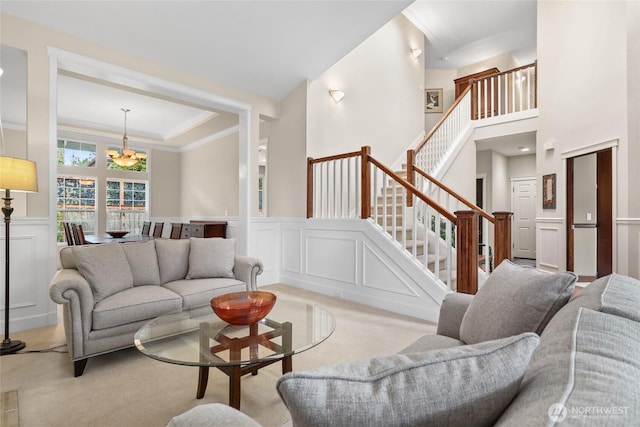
(431, 342)
(105, 267)
(467, 385)
(515, 299)
(135, 304)
(614, 294)
(196, 292)
(173, 258)
(587, 370)
(213, 257)
(143, 261)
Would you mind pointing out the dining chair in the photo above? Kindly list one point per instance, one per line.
(157, 229)
(146, 228)
(192, 230)
(68, 234)
(78, 235)
(176, 229)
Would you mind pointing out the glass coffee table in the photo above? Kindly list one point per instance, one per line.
(198, 337)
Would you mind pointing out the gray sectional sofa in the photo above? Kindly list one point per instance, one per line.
(518, 353)
(110, 290)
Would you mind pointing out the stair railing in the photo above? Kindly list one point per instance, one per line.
(499, 222)
(504, 93)
(437, 144)
(356, 185)
(508, 92)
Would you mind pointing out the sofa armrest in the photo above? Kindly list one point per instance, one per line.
(70, 288)
(247, 269)
(452, 311)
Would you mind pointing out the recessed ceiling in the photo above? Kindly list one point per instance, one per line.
(148, 118)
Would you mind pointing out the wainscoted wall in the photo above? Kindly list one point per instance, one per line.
(628, 247)
(343, 258)
(350, 260)
(550, 234)
(32, 265)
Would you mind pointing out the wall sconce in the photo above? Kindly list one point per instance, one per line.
(337, 94)
(416, 53)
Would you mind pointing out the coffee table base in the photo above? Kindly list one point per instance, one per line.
(234, 345)
(235, 373)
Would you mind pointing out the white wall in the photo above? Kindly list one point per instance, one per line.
(287, 153)
(383, 107)
(209, 185)
(576, 76)
(521, 166)
(434, 79)
(500, 191)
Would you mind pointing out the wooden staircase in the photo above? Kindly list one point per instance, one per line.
(390, 211)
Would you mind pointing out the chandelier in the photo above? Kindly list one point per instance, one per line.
(127, 157)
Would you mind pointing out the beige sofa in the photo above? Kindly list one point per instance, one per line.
(109, 290)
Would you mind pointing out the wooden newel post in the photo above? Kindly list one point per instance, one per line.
(411, 159)
(366, 183)
(502, 237)
(467, 249)
(309, 187)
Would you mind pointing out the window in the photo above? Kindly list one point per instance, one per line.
(72, 153)
(97, 193)
(126, 205)
(76, 202)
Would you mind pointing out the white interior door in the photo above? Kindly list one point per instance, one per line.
(523, 206)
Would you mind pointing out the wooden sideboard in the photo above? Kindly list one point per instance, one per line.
(213, 228)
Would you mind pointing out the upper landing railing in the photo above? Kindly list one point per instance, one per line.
(501, 94)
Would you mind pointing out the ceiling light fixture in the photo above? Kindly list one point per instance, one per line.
(337, 94)
(524, 149)
(127, 157)
(416, 53)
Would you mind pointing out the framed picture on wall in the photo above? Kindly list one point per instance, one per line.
(549, 191)
(433, 100)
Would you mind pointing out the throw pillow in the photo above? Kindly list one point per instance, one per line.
(143, 261)
(173, 259)
(213, 257)
(467, 385)
(588, 365)
(515, 299)
(105, 267)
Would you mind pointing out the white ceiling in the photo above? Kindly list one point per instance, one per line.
(463, 32)
(265, 47)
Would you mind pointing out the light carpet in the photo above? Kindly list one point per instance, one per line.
(126, 388)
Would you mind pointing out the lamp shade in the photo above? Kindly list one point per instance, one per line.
(18, 175)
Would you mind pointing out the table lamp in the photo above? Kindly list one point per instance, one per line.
(15, 175)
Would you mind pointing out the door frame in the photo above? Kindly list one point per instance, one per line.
(606, 205)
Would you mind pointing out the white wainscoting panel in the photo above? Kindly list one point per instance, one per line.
(32, 265)
(291, 249)
(378, 274)
(351, 259)
(265, 241)
(627, 251)
(550, 244)
(332, 257)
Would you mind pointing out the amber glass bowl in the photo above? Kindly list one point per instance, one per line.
(117, 234)
(243, 308)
